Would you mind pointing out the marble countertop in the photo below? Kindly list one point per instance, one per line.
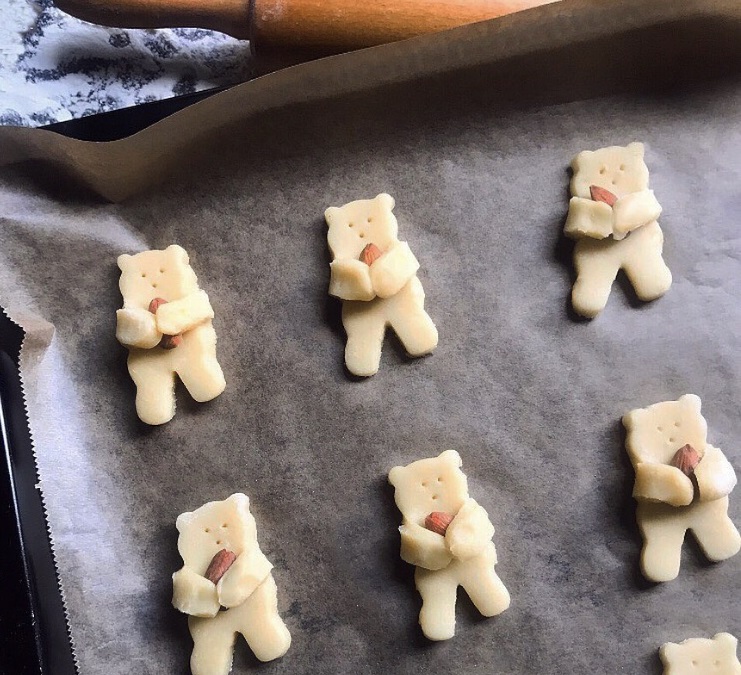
(54, 67)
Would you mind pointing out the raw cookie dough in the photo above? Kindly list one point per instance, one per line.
(700, 656)
(145, 325)
(463, 556)
(611, 200)
(246, 589)
(385, 293)
(670, 502)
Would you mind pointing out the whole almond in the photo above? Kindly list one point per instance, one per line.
(686, 459)
(219, 565)
(600, 194)
(438, 521)
(370, 254)
(155, 304)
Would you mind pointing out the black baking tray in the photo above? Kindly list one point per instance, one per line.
(33, 628)
(34, 636)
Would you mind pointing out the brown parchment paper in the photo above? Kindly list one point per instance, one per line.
(472, 132)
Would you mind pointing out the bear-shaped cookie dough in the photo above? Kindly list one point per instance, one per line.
(682, 483)
(457, 553)
(379, 290)
(700, 656)
(166, 325)
(224, 567)
(612, 215)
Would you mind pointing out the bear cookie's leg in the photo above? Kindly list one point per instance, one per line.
(715, 531)
(483, 585)
(203, 379)
(155, 387)
(645, 266)
(365, 326)
(264, 630)
(410, 322)
(595, 273)
(663, 528)
(438, 590)
(213, 645)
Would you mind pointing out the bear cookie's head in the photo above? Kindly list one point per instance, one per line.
(214, 526)
(655, 433)
(156, 274)
(621, 170)
(700, 655)
(427, 485)
(365, 221)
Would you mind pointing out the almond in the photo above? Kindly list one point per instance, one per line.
(370, 254)
(219, 564)
(438, 521)
(686, 459)
(155, 304)
(600, 194)
(170, 341)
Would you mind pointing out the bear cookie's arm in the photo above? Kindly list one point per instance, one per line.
(194, 594)
(587, 218)
(349, 279)
(249, 570)
(181, 315)
(137, 327)
(423, 548)
(715, 475)
(469, 532)
(634, 210)
(390, 272)
(662, 483)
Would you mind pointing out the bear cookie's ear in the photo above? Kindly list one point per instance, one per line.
(452, 457)
(692, 401)
(631, 419)
(580, 159)
(178, 253)
(669, 652)
(386, 200)
(636, 149)
(240, 499)
(727, 642)
(182, 520)
(123, 261)
(330, 215)
(395, 475)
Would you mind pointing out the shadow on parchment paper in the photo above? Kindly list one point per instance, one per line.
(651, 60)
(627, 513)
(332, 307)
(170, 623)
(624, 62)
(563, 254)
(395, 569)
(53, 180)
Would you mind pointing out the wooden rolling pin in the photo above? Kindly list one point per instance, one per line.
(326, 26)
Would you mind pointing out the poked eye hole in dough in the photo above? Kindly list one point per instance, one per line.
(217, 534)
(357, 229)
